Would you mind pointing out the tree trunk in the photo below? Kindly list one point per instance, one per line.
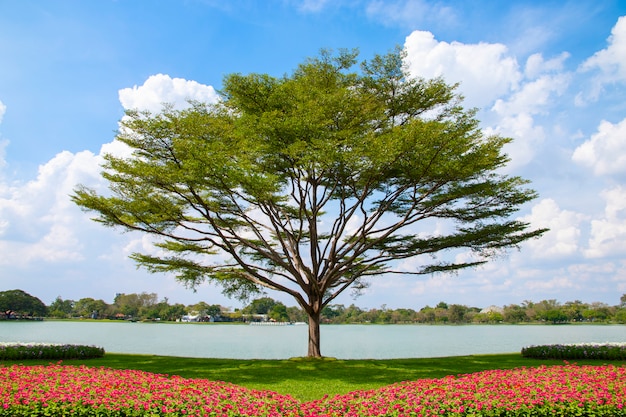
(314, 335)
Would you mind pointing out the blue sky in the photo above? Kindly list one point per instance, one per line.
(550, 74)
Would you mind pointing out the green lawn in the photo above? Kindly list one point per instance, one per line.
(308, 379)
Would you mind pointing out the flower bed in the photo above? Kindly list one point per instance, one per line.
(605, 351)
(18, 351)
(545, 391)
(83, 391)
(57, 390)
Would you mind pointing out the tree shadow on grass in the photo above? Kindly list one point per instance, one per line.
(348, 371)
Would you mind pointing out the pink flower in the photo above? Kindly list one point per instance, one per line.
(569, 387)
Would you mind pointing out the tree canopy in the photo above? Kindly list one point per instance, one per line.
(314, 183)
(21, 303)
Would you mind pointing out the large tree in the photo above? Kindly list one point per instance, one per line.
(313, 183)
(61, 308)
(134, 305)
(22, 303)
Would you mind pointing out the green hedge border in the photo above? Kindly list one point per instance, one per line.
(604, 351)
(19, 351)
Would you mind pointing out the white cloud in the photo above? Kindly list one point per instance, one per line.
(485, 70)
(564, 235)
(441, 284)
(116, 148)
(3, 109)
(143, 243)
(527, 136)
(3, 154)
(605, 151)
(47, 238)
(3, 143)
(40, 223)
(408, 12)
(312, 6)
(551, 285)
(159, 89)
(608, 235)
(516, 116)
(534, 96)
(611, 61)
(619, 279)
(590, 272)
(490, 79)
(536, 65)
(39, 220)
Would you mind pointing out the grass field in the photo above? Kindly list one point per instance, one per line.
(309, 379)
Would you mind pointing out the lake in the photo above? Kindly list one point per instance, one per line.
(282, 342)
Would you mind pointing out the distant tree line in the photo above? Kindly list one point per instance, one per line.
(17, 304)
(147, 306)
(546, 311)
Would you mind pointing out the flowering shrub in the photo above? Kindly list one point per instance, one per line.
(18, 351)
(606, 351)
(58, 390)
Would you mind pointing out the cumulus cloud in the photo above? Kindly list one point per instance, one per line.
(609, 62)
(608, 235)
(516, 114)
(39, 221)
(490, 78)
(564, 235)
(156, 91)
(47, 239)
(160, 88)
(533, 96)
(485, 70)
(605, 151)
(537, 65)
(527, 136)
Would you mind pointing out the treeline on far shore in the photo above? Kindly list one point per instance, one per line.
(15, 304)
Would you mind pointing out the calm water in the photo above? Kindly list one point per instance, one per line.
(281, 342)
